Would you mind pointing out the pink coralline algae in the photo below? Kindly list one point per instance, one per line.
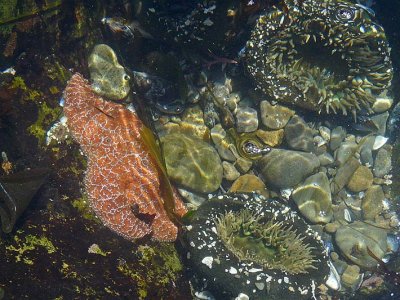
(122, 180)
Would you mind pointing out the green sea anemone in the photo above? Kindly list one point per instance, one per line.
(246, 244)
(271, 244)
(324, 55)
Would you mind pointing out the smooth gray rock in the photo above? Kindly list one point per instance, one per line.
(286, 168)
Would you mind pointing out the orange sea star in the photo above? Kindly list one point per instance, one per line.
(122, 180)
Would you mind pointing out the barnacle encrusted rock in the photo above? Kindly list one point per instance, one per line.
(246, 244)
(352, 70)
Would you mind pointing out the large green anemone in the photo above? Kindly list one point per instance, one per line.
(246, 244)
(271, 244)
(323, 55)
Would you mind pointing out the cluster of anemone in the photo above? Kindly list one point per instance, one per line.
(326, 56)
(244, 244)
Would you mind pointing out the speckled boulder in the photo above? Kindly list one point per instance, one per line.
(192, 163)
(286, 168)
(299, 135)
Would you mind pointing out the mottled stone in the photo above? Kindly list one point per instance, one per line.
(230, 172)
(246, 119)
(383, 162)
(337, 136)
(366, 151)
(109, 78)
(190, 122)
(232, 101)
(344, 152)
(313, 198)
(191, 162)
(372, 203)
(243, 165)
(193, 122)
(222, 143)
(357, 239)
(332, 227)
(271, 138)
(360, 180)
(298, 135)
(287, 168)
(343, 174)
(274, 116)
(249, 183)
(380, 121)
(325, 132)
(192, 198)
(351, 277)
(325, 159)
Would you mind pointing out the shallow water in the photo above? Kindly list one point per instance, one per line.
(234, 94)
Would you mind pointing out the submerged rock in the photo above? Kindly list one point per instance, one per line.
(383, 162)
(244, 244)
(249, 183)
(191, 162)
(287, 168)
(275, 116)
(247, 120)
(357, 239)
(313, 198)
(337, 136)
(372, 203)
(361, 179)
(299, 135)
(108, 77)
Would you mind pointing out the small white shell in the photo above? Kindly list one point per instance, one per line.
(347, 215)
(333, 280)
(208, 260)
(379, 142)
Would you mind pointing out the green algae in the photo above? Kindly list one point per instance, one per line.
(158, 264)
(30, 243)
(46, 116)
(28, 93)
(82, 206)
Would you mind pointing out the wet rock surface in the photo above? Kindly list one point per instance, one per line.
(355, 239)
(274, 116)
(192, 162)
(313, 198)
(287, 168)
(109, 78)
(298, 135)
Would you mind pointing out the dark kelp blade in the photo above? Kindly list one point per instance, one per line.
(16, 192)
(165, 185)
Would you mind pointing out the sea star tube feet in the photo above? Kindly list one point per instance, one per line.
(122, 178)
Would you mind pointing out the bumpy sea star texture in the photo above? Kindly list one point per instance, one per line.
(122, 180)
